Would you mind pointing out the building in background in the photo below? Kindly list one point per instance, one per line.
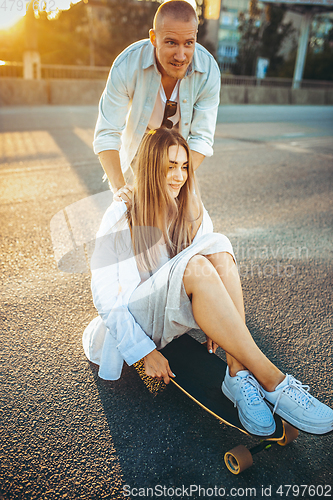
(229, 36)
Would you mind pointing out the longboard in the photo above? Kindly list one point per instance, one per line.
(199, 375)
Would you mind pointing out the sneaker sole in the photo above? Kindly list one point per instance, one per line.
(247, 426)
(300, 426)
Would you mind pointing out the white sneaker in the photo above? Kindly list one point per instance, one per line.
(247, 395)
(292, 401)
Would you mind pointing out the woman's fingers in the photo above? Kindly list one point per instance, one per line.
(211, 346)
(170, 374)
(157, 366)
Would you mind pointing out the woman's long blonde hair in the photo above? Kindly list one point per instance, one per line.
(152, 204)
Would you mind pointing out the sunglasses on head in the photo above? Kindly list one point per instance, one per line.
(170, 110)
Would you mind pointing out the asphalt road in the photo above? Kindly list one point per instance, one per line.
(65, 433)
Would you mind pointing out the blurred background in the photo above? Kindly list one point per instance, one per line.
(50, 39)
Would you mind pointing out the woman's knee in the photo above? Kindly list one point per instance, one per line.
(223, 262)
(198, 267)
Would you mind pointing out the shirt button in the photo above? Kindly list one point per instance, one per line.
(186, 124)
(184, 100)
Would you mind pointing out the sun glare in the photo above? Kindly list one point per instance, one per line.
(8, 18)
(11, 11)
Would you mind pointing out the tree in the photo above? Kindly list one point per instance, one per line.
(66, 38)
(248, 46)
(104, 27)
(262, 35)
(203, 27)
(273, 36)
(128, 21)
(319, 59)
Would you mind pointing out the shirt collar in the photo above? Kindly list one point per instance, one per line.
(150, 60)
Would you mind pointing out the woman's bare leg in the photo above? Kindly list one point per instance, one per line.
(217, 315)
(228, 272)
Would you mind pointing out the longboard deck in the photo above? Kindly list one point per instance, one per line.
(200, 375)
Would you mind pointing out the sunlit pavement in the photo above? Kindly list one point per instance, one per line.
(67, 434)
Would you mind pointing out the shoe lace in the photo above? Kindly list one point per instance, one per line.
(253, 391)
(297, 391)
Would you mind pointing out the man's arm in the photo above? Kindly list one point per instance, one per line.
(203, 122)
(113, 108)
(110, 161)
(197, 158)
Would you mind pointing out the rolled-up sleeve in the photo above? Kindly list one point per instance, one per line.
(113, 109)
(201, 136)
(108, 295)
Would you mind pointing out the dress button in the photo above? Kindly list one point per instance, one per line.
(184, 100)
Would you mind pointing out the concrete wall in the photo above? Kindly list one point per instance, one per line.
(18, 92)
(77, 92)
(243, 94)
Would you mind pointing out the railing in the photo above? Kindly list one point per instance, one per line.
(78, 72)
(59, 71)
(49, 71)
(11, 69)
(253, 81)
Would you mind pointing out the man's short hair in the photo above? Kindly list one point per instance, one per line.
(178, 9)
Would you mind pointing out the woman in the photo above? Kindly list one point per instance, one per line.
(158, 270)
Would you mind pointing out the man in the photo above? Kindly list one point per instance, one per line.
(167, 80)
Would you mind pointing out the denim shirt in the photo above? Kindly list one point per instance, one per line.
(129, 97)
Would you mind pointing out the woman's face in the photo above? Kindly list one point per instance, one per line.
(178, 169)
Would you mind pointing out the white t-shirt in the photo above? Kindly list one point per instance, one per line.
(158, 111)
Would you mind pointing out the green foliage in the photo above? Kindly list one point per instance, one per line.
(127, 22)
(202, 29)
(319, 60)
(73, 34)
(260, 38)
(273, 36)
(64, 40)
(248, 47)
(318, 65)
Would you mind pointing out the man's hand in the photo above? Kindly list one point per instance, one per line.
(157, 366)
(124, 193)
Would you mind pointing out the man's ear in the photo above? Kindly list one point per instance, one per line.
(152, 37)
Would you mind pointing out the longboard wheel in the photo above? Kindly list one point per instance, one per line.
(238, 459)
(290, 434)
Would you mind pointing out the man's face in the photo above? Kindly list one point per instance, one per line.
(174, 42)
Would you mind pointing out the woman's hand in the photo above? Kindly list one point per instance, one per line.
(125, 194)
(211, 345)
(157, 366)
